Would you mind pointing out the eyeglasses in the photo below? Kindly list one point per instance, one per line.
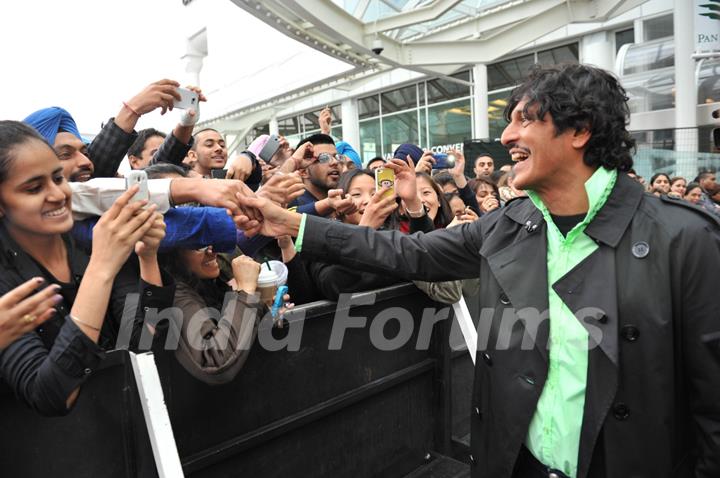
(326, 157)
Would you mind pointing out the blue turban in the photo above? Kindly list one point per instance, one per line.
(48, 121)
(345, 149)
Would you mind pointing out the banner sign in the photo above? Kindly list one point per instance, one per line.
(707, 25)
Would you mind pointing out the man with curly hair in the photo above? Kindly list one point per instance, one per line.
(602, 357)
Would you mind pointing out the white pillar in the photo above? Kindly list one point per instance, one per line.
(685, 90)
(481, 128)
(350, 124)
(193, 66)
(597, 50)
(273, 125)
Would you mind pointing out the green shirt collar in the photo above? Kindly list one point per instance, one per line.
(598, 188)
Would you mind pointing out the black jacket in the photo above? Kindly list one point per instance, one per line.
(42, 367)
(647, 296)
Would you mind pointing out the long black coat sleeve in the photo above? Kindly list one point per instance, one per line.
(696, 268)
(445, 254)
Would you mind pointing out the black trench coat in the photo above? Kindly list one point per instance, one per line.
(648, 295)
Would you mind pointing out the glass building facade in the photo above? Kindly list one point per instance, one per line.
(433, 114)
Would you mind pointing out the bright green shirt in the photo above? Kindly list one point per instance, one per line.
(554, 434)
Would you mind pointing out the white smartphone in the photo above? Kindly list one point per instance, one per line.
(140, 178)
(188, 99)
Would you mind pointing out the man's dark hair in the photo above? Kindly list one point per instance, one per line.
(143, 135)
(163, 170)
(443, 178)
(376, 158)
(703, 176)
(581, 97)
(316, 139)
(195, 136)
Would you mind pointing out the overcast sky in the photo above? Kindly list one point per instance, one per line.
(88, 56)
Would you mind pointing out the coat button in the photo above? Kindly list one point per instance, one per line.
(552, 474)
(148, 293)
(88, 371)
(640, 249)
(504, 299)
(477, 411)
(146, 309)
(630, 333)
(621, 411)
(487, 359)
(472, 460)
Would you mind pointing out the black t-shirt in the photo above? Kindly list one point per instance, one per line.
(566, 223)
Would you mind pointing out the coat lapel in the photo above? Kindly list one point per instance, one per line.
(521, 268)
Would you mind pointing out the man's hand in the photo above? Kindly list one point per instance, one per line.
(458, 172)
(161, 94)
(325, 120)
(245, 272)
(426, 163)
(340, 203)
(282, 189)
(275, 221)
(239, 168)
(378, 209)
(300, 159)
(212, 192)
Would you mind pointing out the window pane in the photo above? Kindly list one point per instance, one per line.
(442, 90)
(399, 129)
(650, 91)
(369, 140)
(399, 100)
(288, 126)
(624, 37)
(510, 72)
(649, 56)
(660, 27)
(496, 107)
(423, 128)
(709, 81)
(450, 123)
(368, 107)
(559, 55)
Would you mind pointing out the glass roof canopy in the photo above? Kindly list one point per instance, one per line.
(369, 11)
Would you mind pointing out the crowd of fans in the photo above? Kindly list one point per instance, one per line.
(75, 245)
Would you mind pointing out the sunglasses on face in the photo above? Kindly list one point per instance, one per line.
(326, 157)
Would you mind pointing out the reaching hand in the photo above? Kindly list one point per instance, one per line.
(274, 220)
(325, 120)
(282, 189)
(378, 209)
(21, 310)
(300, 159)
(161, 94)
(342, 204)
(148, 246)
(287, 248)
(426, 163)
(458, 172)
(119, 229)
(406, 182)
(240, 168)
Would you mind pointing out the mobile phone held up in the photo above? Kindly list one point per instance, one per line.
(218, 173)
(444, 161)
(188, 99)
(270, 148)
(140, 178)
(385, 177)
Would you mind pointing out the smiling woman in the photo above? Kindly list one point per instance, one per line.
(46, 367)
